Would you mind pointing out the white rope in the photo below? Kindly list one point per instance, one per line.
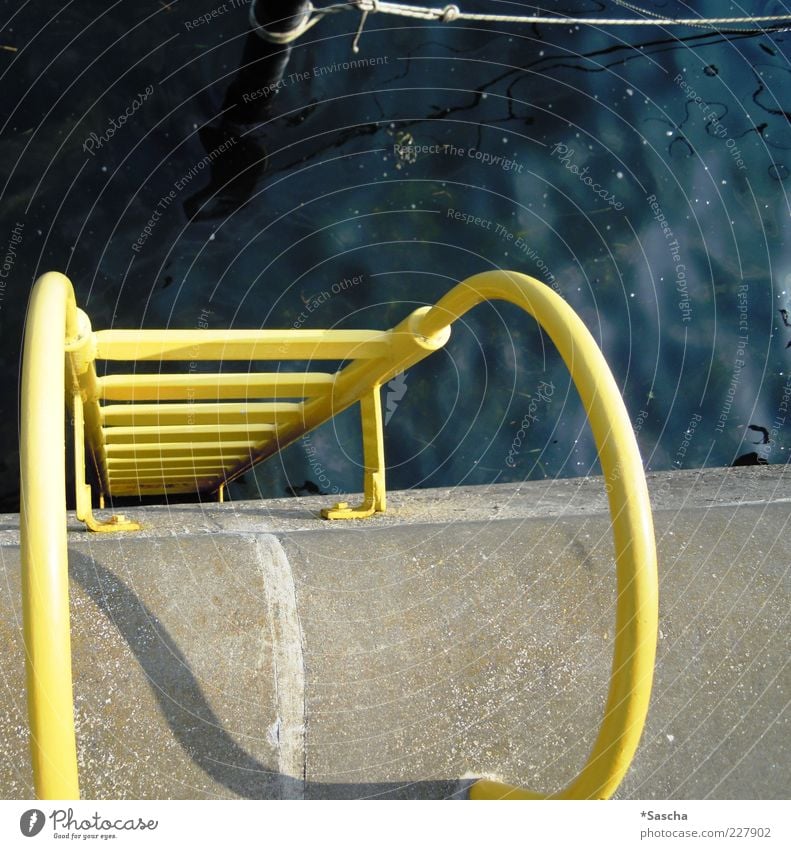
(450, 13)
(702, 25)
(312, 17)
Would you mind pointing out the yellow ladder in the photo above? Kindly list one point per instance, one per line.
(171, 432)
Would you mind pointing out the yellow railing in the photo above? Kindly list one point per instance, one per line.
(168, 433)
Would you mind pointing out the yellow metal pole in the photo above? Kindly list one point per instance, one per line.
(56, 327)
(637, 612)
(374, 493)
(52, 319)
(399, 349)
(82, 355)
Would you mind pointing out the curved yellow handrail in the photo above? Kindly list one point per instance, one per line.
(56, 329)
(637, 613)
(51, 322)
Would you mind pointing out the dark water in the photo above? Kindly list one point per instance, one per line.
(572, 146)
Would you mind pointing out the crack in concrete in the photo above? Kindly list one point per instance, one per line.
(288, 658)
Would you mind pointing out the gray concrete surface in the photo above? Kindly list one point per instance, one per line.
(252, 650)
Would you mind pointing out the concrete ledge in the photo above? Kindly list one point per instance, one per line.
(251, 650)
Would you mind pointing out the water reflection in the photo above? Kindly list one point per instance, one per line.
(319, 185)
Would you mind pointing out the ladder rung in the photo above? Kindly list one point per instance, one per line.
(174, 487)
(196, 387)
(188, 414)
(127, 475)
(173, 462)
(131, 488)
(195, 449)
(210, 469)
(221, 345)
(153, 435)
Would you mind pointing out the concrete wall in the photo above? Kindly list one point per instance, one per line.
(252, 650)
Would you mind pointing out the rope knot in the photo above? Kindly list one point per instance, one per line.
(449, 14)
(276, 37)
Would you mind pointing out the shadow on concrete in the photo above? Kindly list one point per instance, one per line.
(194, 724)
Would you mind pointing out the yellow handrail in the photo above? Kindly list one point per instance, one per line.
(51, 322)
(209, 432)
(637, 611)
